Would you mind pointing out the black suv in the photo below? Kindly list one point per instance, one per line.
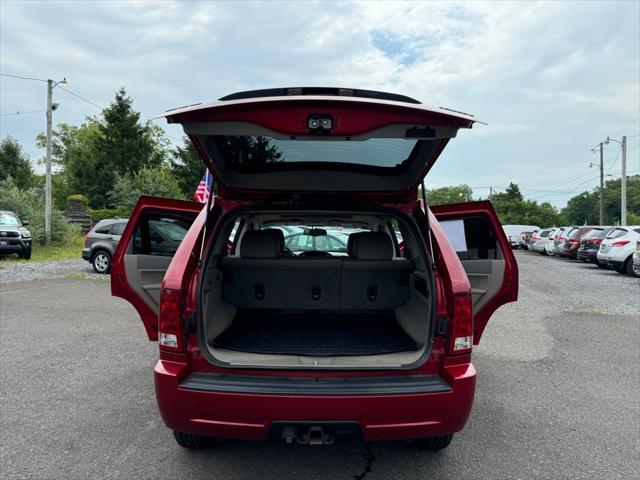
(14, 238)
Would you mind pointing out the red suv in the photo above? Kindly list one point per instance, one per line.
(341, 329)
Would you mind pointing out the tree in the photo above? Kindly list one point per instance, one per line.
(513, 193)
(514, 210)
(116, 143)
(585, 207)
(452, 194)
(187, 167)
(155, 181)
(15, 163)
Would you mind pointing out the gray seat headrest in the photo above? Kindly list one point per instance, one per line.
(262, 243)
(370, 246)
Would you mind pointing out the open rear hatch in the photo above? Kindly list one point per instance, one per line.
(334, 142)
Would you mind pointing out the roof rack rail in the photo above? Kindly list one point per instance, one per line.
(322, 91)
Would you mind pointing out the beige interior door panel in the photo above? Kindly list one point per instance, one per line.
(485, 277)
(145, 274)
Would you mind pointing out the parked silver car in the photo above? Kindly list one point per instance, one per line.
(101, 242)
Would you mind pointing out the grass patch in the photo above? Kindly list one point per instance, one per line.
(72, 248)
(77, 275)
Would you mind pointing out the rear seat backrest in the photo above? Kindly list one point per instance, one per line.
(371, 279)
(262, 278)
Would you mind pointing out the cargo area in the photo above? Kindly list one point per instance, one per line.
(315, 289)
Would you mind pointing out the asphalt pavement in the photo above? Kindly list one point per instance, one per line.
(558, 392)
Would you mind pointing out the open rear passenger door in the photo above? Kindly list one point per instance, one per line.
(152, 236)
(475, 232)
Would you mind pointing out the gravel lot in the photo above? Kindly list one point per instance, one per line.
(558, 392)
(23, 270)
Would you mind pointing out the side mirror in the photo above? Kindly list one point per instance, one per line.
(25, 223)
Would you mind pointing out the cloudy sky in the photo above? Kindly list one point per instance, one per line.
(551, 79)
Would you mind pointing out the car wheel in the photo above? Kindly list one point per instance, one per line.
(633, 271)
(101, 262)
(26, 254)
(189, 440)
(434, 443)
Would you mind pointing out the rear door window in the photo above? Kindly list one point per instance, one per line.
(104, 229)
(473, 238)
(160, 234)
(118, 228)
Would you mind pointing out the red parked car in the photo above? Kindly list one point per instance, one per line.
(257, 340)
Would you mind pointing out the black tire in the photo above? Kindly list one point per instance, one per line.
(619, 269)
(26, 254)
(101, 262)
(189, 440)
(628, 266)
(434, 443)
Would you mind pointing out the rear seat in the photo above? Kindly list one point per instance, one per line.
(261, 278)
(371, 278)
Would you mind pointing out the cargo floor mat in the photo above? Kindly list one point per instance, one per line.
(315, 335)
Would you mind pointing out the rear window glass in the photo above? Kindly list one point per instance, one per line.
(573, 233)
(593, 234)
(261, 153)
(616, 233)
(544, 233)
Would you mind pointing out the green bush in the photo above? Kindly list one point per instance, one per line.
(84, 200)
(154, 181)
(102, 213)
(28, 204)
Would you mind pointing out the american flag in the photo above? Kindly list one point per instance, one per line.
(204, 188)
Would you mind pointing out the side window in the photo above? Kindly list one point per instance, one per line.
(159, 234)
(473, 238)
(118, 228)
(105, 229)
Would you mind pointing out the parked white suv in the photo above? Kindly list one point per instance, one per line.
(618, 247)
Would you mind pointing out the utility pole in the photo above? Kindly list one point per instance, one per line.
(623, 179)
(601, 185)
(490, 193)
(623, 190)
(47, 198)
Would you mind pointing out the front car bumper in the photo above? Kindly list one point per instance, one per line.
(14, 245)
(246, 407)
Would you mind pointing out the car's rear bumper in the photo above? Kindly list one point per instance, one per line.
(588, 255)
(86, 254)
(230, 407)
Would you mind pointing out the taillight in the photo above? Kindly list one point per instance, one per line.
(620, 243)
(574, 241)
(86, 240)
(461, 338)
(170, 336)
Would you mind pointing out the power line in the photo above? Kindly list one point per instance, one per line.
(613, 164)
(566, 193)
(80, 97)
(21, 113)
(23, 78)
